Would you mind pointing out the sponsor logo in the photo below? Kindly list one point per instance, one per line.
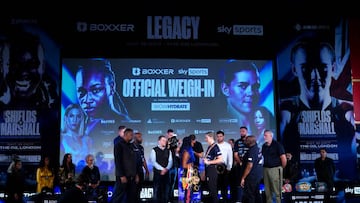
(179, 120)
(228, 120)
(104, 27)
(173, 27)
(204, 120)
(248, 30)
(356, 190)
(241, 30)
(132, 121)
(23, 21)
(107, 121)
(224, 29)
(30, 158)
(81, 26)
(182, 71)
(146, 193)
(154, 121)
(194, 71)
(154, 132)
(202, 131)
(299, 27)
(170, 106)
(205, 192)
(136, 71)
(349, 190)
(198, 71)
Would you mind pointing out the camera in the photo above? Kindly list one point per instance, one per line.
(220, 168)
(173, 142)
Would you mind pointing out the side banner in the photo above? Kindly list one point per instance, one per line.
(29, 98)
(316, 98)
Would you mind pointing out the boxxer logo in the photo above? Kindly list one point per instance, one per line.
(104, 27)
(136, 71)
(81, 26)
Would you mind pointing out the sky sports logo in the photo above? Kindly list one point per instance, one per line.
(249, 30)
(194, 71)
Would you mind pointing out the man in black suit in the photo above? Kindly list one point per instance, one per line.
(125, 169)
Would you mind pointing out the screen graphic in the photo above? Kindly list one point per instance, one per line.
(190, 96)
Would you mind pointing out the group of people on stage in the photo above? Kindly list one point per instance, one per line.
(240, 165)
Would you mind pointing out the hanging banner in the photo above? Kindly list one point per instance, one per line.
(29, 96)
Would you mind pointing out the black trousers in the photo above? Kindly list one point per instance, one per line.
(161, 188)
(124, 192)
(139, 185)
(212, 179)
(223, 184)
(251, 191)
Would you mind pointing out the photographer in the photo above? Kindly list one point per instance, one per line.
(174, 146)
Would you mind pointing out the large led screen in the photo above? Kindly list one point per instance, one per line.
(190, 96)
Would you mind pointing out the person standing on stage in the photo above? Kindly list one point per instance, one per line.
(252, 175)
(274, 162)
(227, 154)
(211, 159)
(162, 161)
(125, 169)
(240, 149)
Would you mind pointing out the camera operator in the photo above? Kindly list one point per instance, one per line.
(174, 146)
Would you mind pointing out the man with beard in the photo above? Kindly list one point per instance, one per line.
(240, 149)
(140, 163)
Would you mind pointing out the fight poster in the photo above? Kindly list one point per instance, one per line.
(316, 98)
(29, 97)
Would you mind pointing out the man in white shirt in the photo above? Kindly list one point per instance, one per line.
(227, 154)
(162, 161)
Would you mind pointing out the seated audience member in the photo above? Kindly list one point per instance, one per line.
(75, 194)
(66, 172)
(15, 183)
(91, 174)
(44, 175)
